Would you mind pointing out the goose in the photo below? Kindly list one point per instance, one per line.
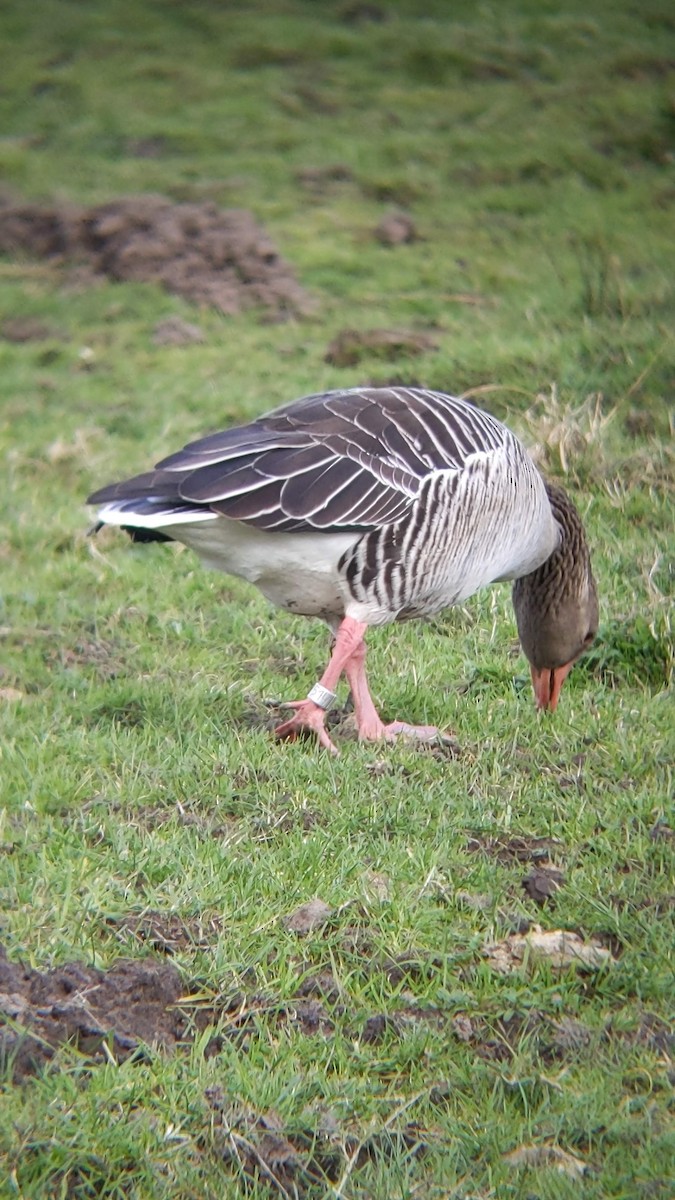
(370, 505)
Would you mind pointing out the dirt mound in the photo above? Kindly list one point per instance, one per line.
(352, 345)
(130, 1004)
(119, 1012)
(212, 256)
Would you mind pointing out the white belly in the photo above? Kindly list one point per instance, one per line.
(296, 571)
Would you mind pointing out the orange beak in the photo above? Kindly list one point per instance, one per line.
(547, 685)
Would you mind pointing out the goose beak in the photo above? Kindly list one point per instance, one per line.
(547, 684)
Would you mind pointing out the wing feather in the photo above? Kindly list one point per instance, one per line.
(344, 460)
(152, 484)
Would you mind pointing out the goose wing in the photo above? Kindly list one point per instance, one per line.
(335, 461)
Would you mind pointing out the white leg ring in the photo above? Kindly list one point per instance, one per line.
(322, 696)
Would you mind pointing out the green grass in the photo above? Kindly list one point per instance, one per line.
(533, 148)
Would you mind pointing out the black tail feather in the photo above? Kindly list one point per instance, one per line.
(138, 534)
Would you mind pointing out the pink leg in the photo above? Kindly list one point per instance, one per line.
(310, 717)
(349, 655)
(369, 723)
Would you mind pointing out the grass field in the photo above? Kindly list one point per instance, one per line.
(150, 825)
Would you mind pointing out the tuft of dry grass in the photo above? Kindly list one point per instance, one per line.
(569, 438)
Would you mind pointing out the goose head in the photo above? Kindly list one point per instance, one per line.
(556, 606)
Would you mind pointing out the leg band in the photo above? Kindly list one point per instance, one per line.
(322, 696)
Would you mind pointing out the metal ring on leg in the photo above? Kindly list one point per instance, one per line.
(322, 696)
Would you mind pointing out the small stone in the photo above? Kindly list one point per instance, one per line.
(396, 229)
(308, 917)
(542, 883)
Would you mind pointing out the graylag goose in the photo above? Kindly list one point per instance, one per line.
(374, 505)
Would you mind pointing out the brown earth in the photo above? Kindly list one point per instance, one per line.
(93, 1009)
(139, 1004)
(352, 345)
(395, 229)
(29, 329)
(314, 1154)
(118, 1013)
(216, 257)
(136, 1005)
(514, 849)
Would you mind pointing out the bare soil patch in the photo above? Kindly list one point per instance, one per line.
(29, 329)
(351, 346)
(316, 1152)
(661, 832)
(559, 949)
(102, 1013)
(217, 257)
(515, 849)
(561, 1039)
(308, 917)
(100, 656)
(319, 181)
(396, 229)
(118, 1013)
(380, 1026)
(542, 883)
(166, 933)
(501, 1039)
(650, 1031)
(174, 331)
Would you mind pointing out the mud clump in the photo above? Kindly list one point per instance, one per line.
(102, 1013)
(214, 257)
(396, 229)
(134, 1005)
(28, 329)
(515, 849)
(351, 346)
